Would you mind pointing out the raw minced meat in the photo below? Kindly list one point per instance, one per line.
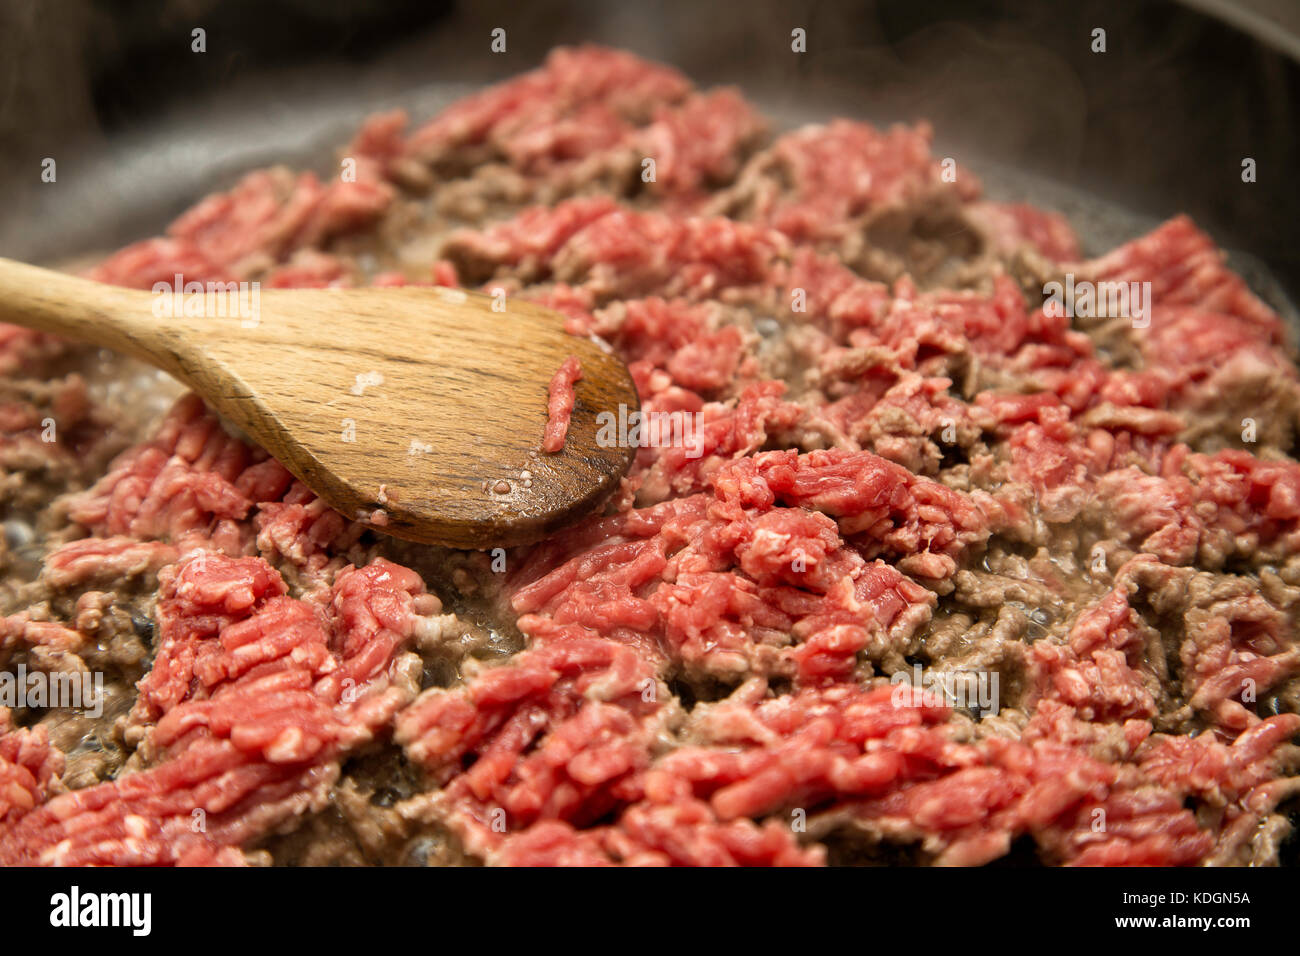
(888, 459)
(559, 404)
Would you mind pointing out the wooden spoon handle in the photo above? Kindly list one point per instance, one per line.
(80, 309)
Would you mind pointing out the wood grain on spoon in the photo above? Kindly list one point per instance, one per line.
(445, 399)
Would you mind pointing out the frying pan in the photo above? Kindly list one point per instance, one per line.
(140, 125)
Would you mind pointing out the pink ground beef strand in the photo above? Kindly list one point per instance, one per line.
(559, 404)
(896, 458)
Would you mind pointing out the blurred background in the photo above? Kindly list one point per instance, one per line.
(141, 126)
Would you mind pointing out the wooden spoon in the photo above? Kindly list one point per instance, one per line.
(421, 404)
